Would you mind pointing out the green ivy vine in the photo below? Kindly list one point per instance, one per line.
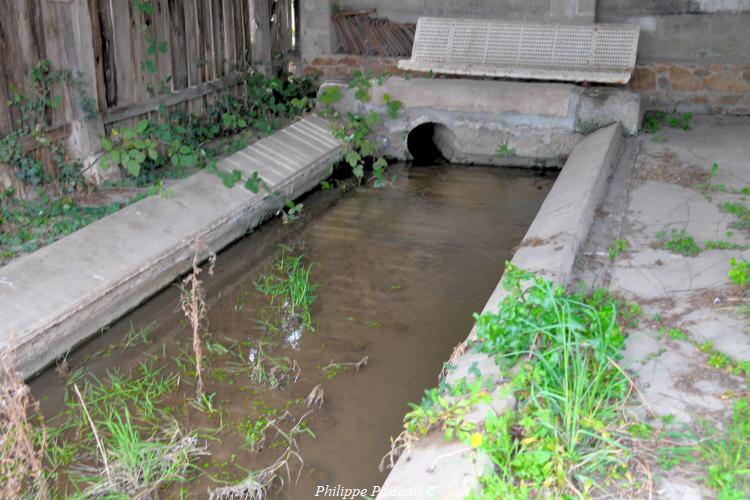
(356, 130)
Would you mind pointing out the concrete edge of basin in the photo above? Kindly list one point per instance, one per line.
(51, 337)
(435, 468)
(538, 123)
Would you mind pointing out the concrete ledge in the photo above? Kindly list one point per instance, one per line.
(57, 297)
(538, 123)
(437, 469)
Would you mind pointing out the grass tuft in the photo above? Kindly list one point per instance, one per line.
(678, 242)
(288, 282)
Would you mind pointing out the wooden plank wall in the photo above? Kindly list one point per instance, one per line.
(208, 44)
(284, 23)
(205, 41)
(22, 46)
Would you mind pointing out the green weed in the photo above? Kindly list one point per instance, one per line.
(722, 361)
(136, 467)
(292, 211)
(503, 151)
(569, 433)
(739, 272)
(677, 334)
(141, 335)
(29, 225)
(741, 213)
(619, 247)
(653, 121)
(288, 282)
(723, 245)
(724, 455)
(678, 242)
(253, 430)
(570, 428)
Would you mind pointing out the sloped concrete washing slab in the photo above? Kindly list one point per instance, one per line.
(57, 297)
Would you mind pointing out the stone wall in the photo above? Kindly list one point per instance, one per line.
(340, 67)
(702, 88)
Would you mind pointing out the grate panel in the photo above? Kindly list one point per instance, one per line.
(573, 52)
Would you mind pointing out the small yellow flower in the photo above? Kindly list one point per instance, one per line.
(476, 439)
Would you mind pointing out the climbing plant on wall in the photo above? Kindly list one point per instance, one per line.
(356, 130)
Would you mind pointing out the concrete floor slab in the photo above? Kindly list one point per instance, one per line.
(693, 294)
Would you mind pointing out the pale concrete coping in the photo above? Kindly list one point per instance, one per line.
(436, 469)
(57, 297)
(577, 52)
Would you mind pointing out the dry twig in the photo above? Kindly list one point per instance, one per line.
(315, 398)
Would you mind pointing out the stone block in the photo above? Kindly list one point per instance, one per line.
(682, 79)
(729, 79)
(643, 79)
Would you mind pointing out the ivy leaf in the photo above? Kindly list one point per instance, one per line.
(393, 108)
(189, 160)
(229, 180)
(132, 167)
(141, 127)
(358, 171)
(149, 66)
(380, 164)
(138, 156)
(352, 158)
(331, 95)
(253, 183)
(106, 144)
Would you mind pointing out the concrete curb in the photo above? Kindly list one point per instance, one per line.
(438, 469)
(56, 298)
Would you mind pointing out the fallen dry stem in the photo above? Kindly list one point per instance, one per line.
(358, 365)
(457, 353)
(400, 445)
(315, 399)
(257, 483)
(99, 444)
(193, 305)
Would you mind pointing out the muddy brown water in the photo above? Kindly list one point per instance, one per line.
(401, 270)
